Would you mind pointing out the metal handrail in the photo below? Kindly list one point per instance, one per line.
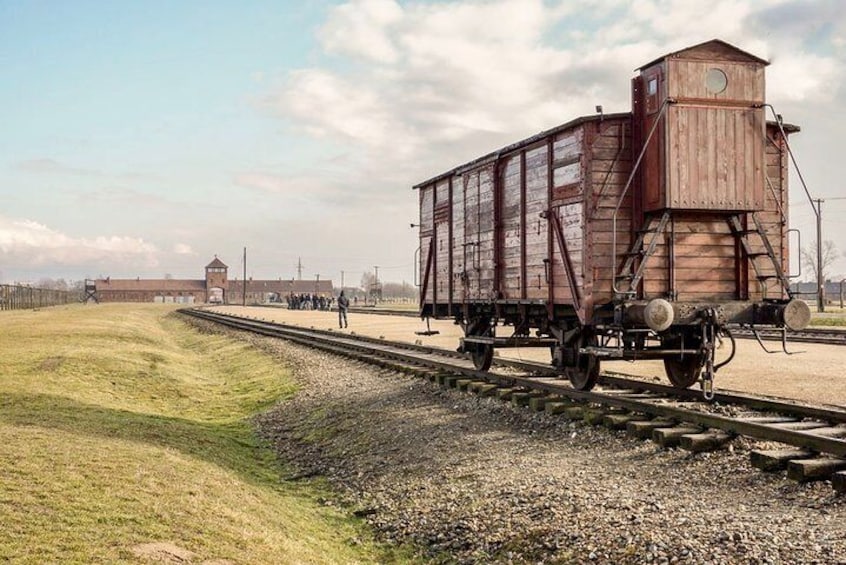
(777, 120)
(664, 104)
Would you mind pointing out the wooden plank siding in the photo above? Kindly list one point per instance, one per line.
(511, 228)
(589, 166)
(609, 168)
(498, 227)
(536, 233)
(443, 243)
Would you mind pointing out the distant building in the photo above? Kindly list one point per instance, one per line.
(216, 288)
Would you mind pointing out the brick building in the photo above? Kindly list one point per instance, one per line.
(215, 288)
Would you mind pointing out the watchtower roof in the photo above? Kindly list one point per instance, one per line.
(217, 264)
(711, 50)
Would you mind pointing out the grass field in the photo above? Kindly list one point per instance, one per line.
(125, 437)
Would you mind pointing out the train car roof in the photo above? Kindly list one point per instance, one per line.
(528, 141)
(788, 128)
(708, 46)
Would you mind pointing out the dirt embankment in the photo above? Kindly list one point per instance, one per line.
(474, 480)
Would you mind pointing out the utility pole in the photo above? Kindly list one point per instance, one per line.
(317, 283)
(820, 281)
(299, 268)
(245, 277)
(342, 280)
(376, 290)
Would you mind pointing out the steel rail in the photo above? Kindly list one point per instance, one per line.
(828, 336)
(659, 405)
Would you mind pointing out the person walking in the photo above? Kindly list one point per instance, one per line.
(343, 306)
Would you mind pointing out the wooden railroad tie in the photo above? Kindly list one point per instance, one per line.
(671, 437)
(774, 460)
(818, 469)
(643, 430)
(706, 441)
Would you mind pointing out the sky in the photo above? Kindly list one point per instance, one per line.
(141, 139)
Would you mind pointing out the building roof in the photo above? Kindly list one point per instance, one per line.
(216, 264)
(150, 285)
(283, 286)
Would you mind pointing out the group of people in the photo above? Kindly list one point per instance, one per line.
(308, 301)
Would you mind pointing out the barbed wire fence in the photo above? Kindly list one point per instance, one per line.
(20, 297)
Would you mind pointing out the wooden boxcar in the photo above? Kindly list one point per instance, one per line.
(623, 236)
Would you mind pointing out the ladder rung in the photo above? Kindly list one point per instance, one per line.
(758, 254)
(766, 277)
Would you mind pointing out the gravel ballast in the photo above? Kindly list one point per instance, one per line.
(469, 479)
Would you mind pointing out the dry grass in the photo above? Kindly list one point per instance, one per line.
(122, 426)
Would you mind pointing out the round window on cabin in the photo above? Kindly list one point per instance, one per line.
(715, 81)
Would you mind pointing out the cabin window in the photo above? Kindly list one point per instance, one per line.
(652, 87)
(715, 81)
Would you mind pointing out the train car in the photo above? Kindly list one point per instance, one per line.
(640, 235)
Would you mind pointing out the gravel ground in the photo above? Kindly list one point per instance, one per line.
(469, 480)
(815, 375)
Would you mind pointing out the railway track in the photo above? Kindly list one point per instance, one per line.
(829, 336)
(811, 440)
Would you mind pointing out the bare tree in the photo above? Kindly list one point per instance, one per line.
(372, 287)
(368, 279)
(829, 256)
(399, 290)
(809, 261)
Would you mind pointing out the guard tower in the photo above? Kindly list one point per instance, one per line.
(91, 292)
(216, 276)
(707, 149)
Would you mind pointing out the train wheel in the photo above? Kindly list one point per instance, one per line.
(585, 374)
(482, 357)
(683, 372)
(481, 354)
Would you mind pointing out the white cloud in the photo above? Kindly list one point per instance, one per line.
(804, 77)
(183, 249)
(418, 87)
(25, 244)
(411, 89)
(362, 30)
(423, 80)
